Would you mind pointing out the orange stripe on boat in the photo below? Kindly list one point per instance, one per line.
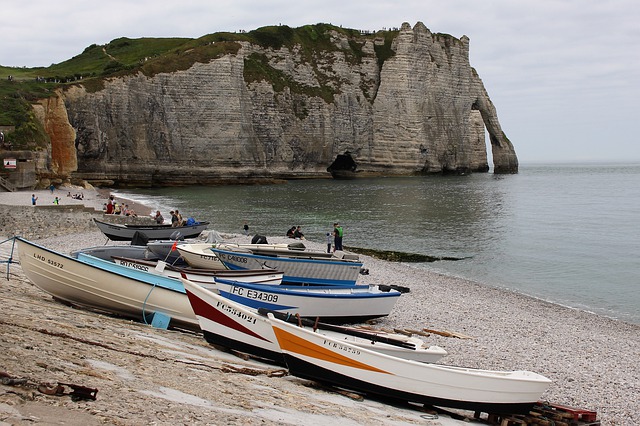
(292, 343)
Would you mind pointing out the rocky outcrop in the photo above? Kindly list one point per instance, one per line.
(53, 115)
(421, 110)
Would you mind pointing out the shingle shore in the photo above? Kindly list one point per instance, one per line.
(148, 376)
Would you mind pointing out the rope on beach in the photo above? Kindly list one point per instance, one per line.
(227, 368)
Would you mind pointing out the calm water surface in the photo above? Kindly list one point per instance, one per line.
(564, 233)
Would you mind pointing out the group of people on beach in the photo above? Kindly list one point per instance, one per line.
(176, 218)
(113, 207)
(295, 232)
(79, 196)
(334, 238)
(34, 200)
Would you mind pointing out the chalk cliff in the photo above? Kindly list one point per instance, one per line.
(420, 109)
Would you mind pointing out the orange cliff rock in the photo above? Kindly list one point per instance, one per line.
(53, 114)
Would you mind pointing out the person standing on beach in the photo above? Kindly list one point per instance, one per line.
(52, 188)
(158, 217)
(110, 205)
(328, 242)
(246, 228)
(33, 199)
(337, 236)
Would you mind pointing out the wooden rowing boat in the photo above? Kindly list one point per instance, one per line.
(117, 232)
(318, 357)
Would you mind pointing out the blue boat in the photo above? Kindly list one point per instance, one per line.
(331, 303)
(299, 266)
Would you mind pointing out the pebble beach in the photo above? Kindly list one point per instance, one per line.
(148, 376)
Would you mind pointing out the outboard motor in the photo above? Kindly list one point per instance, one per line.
(176, 236)
(259, 239)
(139, 239)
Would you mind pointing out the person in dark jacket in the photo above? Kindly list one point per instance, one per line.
(298, 233)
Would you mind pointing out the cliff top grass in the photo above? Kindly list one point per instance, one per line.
(151, 56)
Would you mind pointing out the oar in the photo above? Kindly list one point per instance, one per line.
(344, 330)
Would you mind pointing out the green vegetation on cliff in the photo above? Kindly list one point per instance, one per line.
(316, 45)
(151, 56)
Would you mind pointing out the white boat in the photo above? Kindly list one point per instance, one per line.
(199, 275)
(200, 255)
(117, 232)
(241, 328)
(299, 266)
(100, 284)
(322, 358)
(331, 303)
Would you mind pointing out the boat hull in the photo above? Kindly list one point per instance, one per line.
(81, 282)
(232, 325)
(297, 270)
(116, 232)
(316, 357)
(235, 326)
(332, 304)
(261, 276)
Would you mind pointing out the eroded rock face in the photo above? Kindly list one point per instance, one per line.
(423, 111)
(53, 114)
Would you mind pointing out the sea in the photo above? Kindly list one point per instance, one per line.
(565, 233)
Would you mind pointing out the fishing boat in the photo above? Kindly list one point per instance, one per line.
(99, 284)
(117, 232)
(200, 255)
(106, 286)
(241, 328)
(337, 362)
(299, 266)
(106, 252)
(200, 275)
(167, 249)
(331, 303)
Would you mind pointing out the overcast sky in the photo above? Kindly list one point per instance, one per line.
(564, 75)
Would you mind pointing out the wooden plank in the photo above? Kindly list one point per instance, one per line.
(418, 332)
(440, 333)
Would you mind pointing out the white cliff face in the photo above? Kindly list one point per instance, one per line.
(423, 111)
